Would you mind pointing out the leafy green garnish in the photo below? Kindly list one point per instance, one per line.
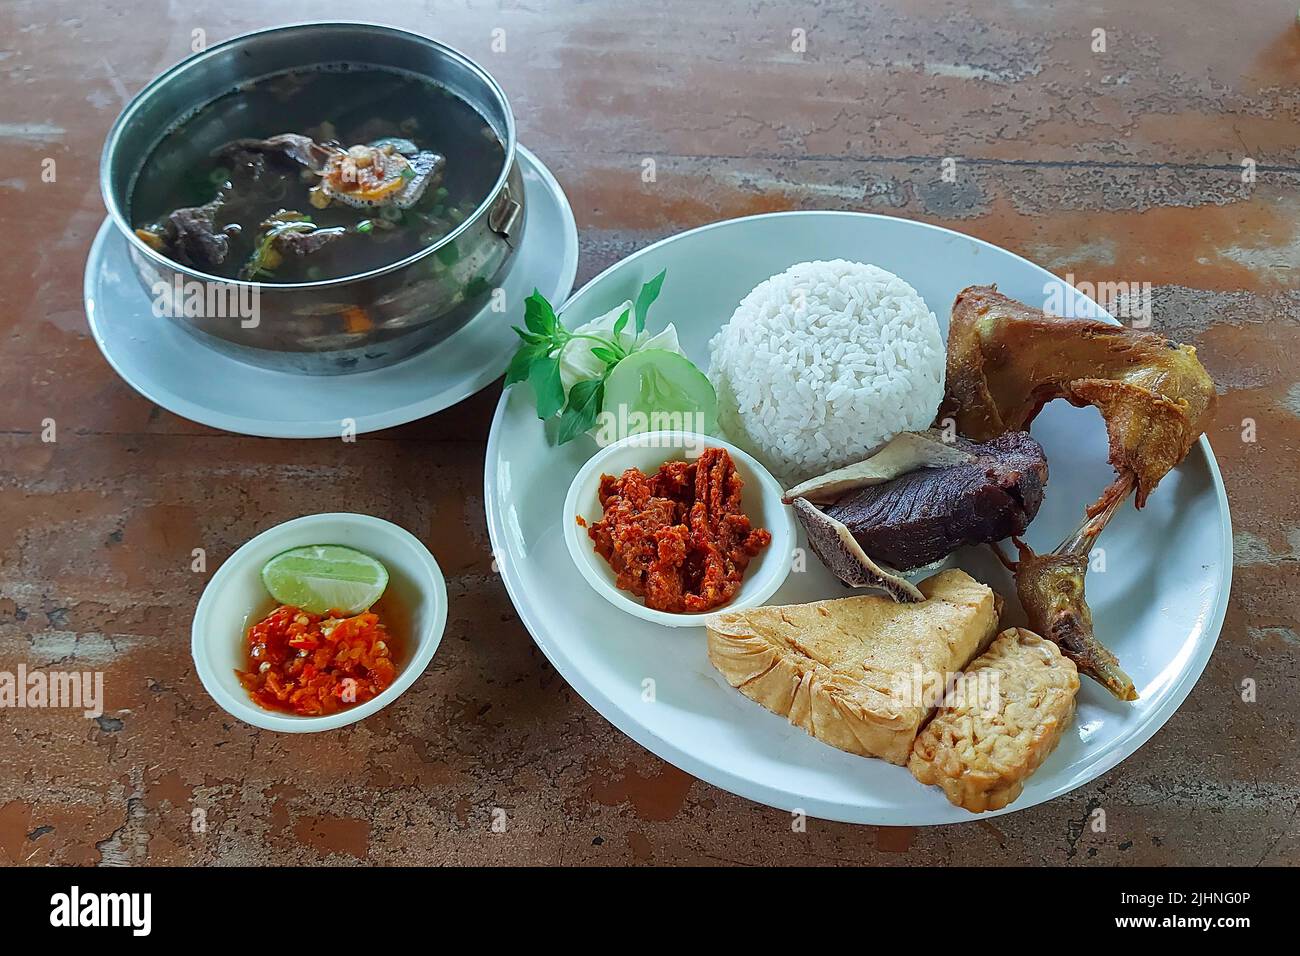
(523, 361)
(649, 292)
(543, 341)
(544, 377)
(539, 316)
(584, 405)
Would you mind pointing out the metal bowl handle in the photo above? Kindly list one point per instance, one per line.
(504, 215)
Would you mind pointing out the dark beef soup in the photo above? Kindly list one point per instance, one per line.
(315, 174)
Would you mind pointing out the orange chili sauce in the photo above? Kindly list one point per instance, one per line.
(294, 665)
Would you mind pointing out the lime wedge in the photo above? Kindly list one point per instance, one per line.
(325, 577)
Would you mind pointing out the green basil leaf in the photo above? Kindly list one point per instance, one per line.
(649, 292)
(523, 361)
(544, 377)
(532, 338)
(538, 314)
(621, 324)
(580, 414)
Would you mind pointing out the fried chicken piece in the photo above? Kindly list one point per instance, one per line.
(1005, 362)
(1050, 587)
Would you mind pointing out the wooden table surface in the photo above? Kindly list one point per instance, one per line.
(1122, 164)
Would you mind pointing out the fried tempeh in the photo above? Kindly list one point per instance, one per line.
(981, 751)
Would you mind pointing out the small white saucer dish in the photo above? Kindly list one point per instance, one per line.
(173, 369)
(760, 499)
(236, 597)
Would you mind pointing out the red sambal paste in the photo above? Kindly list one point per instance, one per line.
(678, 538)
(310, 664)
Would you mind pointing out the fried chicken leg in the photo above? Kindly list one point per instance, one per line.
(1005, 362)
(1050, 587)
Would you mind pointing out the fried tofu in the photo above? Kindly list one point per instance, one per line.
(859, 673)
(1015, 703)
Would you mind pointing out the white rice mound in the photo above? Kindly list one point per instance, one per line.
(822, 364)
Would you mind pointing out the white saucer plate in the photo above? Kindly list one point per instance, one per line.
(173, 369)
(1159, 602)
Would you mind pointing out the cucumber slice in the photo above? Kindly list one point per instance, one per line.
(659, 390)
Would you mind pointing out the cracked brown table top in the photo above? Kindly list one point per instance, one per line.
(1122, 164)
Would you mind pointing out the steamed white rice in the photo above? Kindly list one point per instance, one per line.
(823, 363)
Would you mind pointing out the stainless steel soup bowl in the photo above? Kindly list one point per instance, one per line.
(364, 321)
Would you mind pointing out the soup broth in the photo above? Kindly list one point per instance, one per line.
(315, 174)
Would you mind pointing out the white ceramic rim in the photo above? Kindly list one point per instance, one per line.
(430, 405)
(771, 575)
(1081, 774)
(243, 708)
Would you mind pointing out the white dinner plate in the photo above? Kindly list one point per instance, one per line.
(171, 368)
(1158, 604)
